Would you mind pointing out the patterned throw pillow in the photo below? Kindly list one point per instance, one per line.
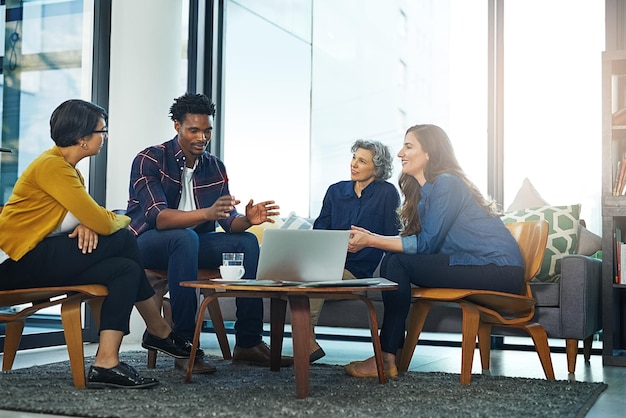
(562, 234)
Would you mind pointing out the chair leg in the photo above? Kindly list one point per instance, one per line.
(540, 338)
(11, 343)
(96, 307)
(587, 342)
(152, 358)
(417, 317)
(471, 320)
(218, 325)
(72, 328)
(484, 345)
(165, 308)
(571, 349)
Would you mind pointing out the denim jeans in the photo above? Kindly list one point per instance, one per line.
(181, 252)
(434, 270)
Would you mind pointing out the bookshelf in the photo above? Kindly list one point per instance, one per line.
(613, 204)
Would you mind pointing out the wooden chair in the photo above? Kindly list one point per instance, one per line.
(70, 298)
(158, 280)
(483, 309)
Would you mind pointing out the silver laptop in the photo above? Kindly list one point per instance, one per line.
(311, 257)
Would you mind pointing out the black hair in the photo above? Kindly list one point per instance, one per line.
(74, 119)
(189, 103)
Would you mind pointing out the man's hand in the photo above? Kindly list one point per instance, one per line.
(87, 238)
(222, 207)
(261, 212)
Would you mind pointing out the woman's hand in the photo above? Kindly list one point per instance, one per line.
(359, 239)
(261, 212)
(87, 238)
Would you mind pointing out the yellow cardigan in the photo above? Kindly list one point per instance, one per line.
(42, 196)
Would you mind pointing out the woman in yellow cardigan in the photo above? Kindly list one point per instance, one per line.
(51, 225)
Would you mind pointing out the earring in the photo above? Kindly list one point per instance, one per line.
(83, 145)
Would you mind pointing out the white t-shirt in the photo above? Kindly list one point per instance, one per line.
(187, 201)
(69, 223)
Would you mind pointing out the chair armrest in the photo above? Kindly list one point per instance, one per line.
(580, 298)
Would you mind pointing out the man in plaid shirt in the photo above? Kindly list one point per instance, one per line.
(178, 191)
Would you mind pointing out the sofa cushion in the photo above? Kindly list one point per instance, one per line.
(527, 197)
(588, 242)
(562, 234)
(294, 221)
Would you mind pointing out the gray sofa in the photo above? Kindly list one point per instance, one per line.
(569, 309)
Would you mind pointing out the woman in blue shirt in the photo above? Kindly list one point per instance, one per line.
(367, 201)
(451, 237)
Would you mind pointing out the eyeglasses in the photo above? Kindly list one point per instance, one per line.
(105, 132)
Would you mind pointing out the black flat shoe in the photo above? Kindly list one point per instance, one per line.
(166, 345)
(316, 355)
(121, 376)
(186, 345)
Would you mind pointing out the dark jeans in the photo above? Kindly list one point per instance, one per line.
(181, 252)
(434, 270)
(115, 263)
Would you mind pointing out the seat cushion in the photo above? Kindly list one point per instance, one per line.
(546, 293)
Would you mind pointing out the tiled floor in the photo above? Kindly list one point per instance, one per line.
(611, 403)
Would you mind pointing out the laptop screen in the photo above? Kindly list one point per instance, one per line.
(302, 255)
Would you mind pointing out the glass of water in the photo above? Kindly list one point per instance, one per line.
(232, 259)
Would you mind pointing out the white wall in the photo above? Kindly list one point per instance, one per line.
(146, 49)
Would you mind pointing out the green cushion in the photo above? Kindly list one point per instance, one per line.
(562, 234)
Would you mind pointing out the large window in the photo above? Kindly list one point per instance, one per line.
(267, 86)
(47, 59)
(552, 101)
(305, 79)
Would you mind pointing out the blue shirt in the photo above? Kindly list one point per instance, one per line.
(453, 223)
(156, 184)
(375, 211)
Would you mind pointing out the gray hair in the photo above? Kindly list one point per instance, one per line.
(382, 157)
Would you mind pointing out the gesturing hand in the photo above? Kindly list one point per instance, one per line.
(87, 238)
(222, 207)
(261, 212)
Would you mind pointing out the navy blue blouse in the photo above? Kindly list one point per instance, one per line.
(375, 211)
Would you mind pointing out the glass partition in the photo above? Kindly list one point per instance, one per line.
(296, 101)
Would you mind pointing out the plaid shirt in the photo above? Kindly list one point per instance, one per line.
(155, 184)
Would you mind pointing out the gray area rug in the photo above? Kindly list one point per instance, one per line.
(247, 391)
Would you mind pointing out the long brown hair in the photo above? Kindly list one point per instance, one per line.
(441, 159)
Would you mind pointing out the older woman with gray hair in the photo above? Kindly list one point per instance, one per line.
(366, 200)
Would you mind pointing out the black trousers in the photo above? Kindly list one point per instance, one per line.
(434, 270)
(115, 263)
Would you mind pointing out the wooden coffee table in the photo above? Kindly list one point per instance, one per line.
(298, 298)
